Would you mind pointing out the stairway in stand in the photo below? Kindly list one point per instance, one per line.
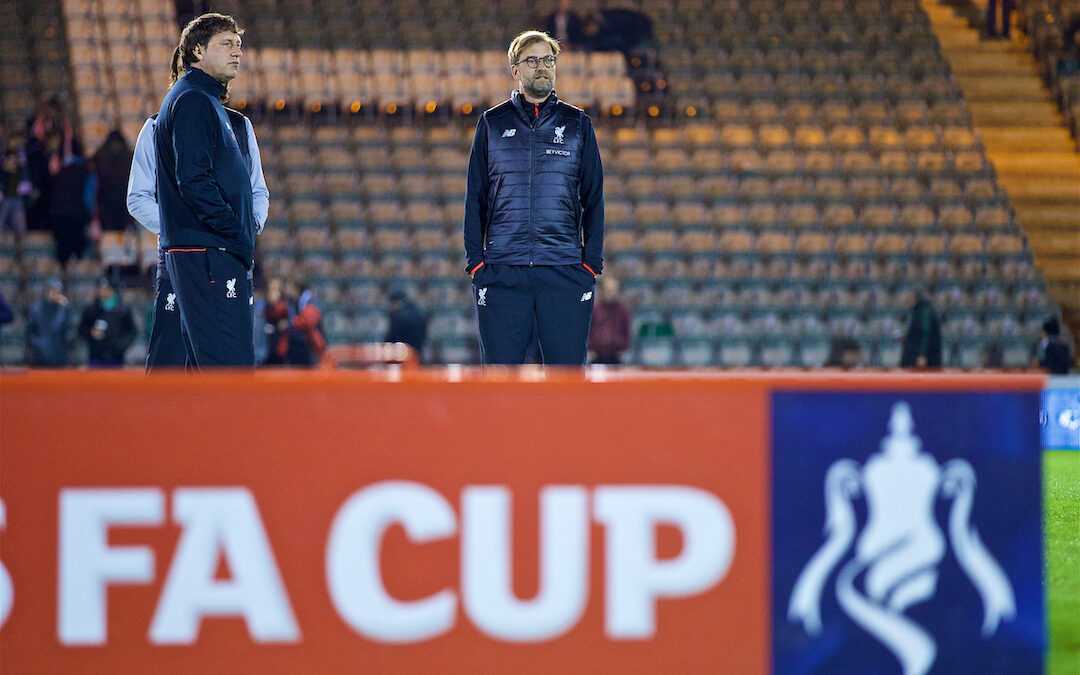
(1028, 143)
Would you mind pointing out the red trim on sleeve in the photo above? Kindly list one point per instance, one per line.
(588, 268)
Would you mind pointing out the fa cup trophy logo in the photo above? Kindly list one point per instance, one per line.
(901, 546)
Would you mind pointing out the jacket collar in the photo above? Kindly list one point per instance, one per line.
(547, 107)
(200, 80)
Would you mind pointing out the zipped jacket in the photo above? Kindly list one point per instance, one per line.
(535, 187)
(203, 183)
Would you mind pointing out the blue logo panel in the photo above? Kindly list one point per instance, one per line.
(906, 533)
(1060, 415)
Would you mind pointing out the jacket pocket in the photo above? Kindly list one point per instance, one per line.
(493, 199)
(208, 260)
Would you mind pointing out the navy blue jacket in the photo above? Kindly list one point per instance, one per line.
(203, 183)
(536, 187)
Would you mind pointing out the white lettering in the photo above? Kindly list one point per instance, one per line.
(224, 525)
(353, 559)
(225, 522)
(87, 562)
(635, 577)
(7, 590)
(488, 563)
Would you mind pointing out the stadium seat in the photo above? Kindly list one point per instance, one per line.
(915, 217)
(735, 352)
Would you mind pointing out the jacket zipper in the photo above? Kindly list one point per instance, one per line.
(532, 154)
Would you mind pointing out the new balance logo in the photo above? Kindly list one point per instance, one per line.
(559, 134)
(586, 296)
(509, 132)
(170, 302)
(230, 288)
(481, 297)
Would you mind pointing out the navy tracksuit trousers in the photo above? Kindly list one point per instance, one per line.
(166, 348)
(214, 295)
(512, 300)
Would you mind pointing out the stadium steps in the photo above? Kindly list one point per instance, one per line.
(1033, 115)
(1027, 142)
(1027, 138)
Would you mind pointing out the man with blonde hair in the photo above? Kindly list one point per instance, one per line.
(534, 216)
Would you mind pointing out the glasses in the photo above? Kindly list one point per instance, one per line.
(535, 61)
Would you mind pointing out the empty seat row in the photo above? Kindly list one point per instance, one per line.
(424, 78)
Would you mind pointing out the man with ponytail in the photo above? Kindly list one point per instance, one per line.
(205, 199)
(166, 348)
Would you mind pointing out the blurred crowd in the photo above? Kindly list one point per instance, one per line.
(611, 29)
(49, 184)
(102, 332)
(1053, 31)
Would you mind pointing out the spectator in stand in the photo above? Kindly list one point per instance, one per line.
(261, 330)
(993, 356)
(6, 315)
(992, 30)
(1053, 352)
(108, 328)
(297, 338)
(186, 10)
(275, 320)
(51, 143)
(845, 352)
(922, 342)
(1068, 63)
(13, 186)
(609, 335)
(50, 119)
(71, 208)
(407, 323)
(47, 328)
(564, 24)
(112, 164)
(621, 30)
(39, 158)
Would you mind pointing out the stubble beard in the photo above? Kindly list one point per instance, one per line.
(540, 90)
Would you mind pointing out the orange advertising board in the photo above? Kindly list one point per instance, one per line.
(338, 522)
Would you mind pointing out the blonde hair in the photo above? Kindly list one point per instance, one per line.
(530, 37)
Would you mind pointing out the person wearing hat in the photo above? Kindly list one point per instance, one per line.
(47, 328)
(1054, 354)
(108, 328)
